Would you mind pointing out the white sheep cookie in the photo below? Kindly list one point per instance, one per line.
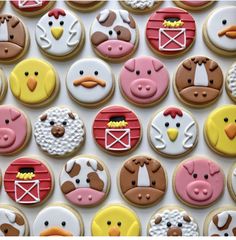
(59, 132)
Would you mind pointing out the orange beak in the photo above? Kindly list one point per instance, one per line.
(228, 32)
(114, 232)
(55, 231)
(89, 82)
(32, 84)
(230, 131)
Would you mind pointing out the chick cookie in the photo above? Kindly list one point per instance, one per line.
(114, 35)
(231, 82)
(3, 85)
(60, 34)
(219, 31)
(115, 220)
(231, 182)
(194, 5)
(84, 5)
(220, 130)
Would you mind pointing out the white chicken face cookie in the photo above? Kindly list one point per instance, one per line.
(173, 132)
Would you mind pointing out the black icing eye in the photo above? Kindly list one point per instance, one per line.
(61, 23)
(226, 234)
(137, 72)
(226, 119)
(36, 73)
(177, 125)
(50, 23)
(96, 73)
(64, 123)
(153, 182)
(133, 182)
(52, 123)
(224, 22)
(5, 231)
(63, 224)
(81, 72)
(149, 72)
(194, 175)
(7, 121)
(211, 81)
(108, 222)
(206, 176)
(168, 224)
(189, 80)
(88, 180)
(110, 32)
(180, 224)
(118, 32)
(119, 224)
(167, 124)
(77, 181)
(26, 74)
(11, 36)
(46, 223)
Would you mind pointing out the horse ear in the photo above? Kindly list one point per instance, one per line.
(130, 166)
(130, 65)
(187, 64)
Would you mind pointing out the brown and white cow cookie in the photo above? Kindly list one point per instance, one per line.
(194, 5)
(231, 181)
(84, 5)
(3, 85)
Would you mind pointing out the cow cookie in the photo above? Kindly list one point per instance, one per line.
(144, 81)
(231, 182)
(142, 181)
(85, 181)
(114, 35)
(231, 82)
(198, 182)
(193, 5)
(220, 130)
(219, 31)
(198, 81)
(28, 181)
(90, 82)
(84, 5)
(58, 220)
(3, 85)
(173, 132)
(172, 221)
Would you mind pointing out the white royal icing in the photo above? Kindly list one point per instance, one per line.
(231, 80)
(30, 4)
(4, 32)
(140, 4)
(200, 77)
(143, 177)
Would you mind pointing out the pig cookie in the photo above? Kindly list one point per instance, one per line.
(231, 82)
(114, 35)
(115, 220)
(173, 132)
(85, 6)
(194, 5)
(144, 81)
(198, 182)
(3, 85)
(220, 130)
(231, 182)
(90, 82)
(198, 81)
(219, 31)
(58, 219)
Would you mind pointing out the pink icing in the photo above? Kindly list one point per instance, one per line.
(30, 5)
(195, 3)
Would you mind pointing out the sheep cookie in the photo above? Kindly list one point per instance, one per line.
(144, 81)
(59, 34)
(193, 5)
(198, 81)
(231, 82)
(198, 182)
(28, 181)
(115, 220)
(173, 132)
(84, 5)
(142, 181)
(114, 35)
(220, 130)
(90, 82)
(231, 182)
(3, 85)
(170, 31)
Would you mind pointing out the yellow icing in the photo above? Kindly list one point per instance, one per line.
(172, 134)
(175, 24)
(119, 124)
(25, 176)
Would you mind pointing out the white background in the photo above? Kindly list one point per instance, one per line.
(87, 115)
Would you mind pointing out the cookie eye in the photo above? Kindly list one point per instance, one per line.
(52, 123)
(119, 224)
(77, 181)
(226, 234)
(180, 224)
(46, 223)
(226, 119)
(211, 81)
(108, 222)
(149, 72)
(110, 32)
(224, 22)
(96, 73)
(7, 121)
(36, 73)
(11, 36)
(26, 74)
(206, 176)
(50, 23)
(194, 175)
(189, 80)
(137, 72)
(81, 72)
(63, 223)
(177, 125)
(88, 180)
(167, 124)
(168, 224)
(153, 182)
(61, 23)
(133, 182)
(64, 123)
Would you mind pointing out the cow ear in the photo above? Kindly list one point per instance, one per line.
(130, 166)
(189, 166)
(187, 64)
(11, 216)
(19, 219)
(14, 114)
(157, 65)
(155, 166)
(213, 168)
(158, 219)
(93, 164)
(130, 65)
(67, 187)
(103, 16)
(222, 220)
(213, 65)
(72, 168)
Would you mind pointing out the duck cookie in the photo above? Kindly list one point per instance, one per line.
(219, 31)
(85, 181)
(60, 34)
(58, 220)
(193, 5)
(173, 132)
(231, 182)
(117, 130)
(172, 222)
(115, 220)
(90, 82)
(114, 35)
(198, 81)
(3, 85)
(85, 6)
(220, 130)
(198, 182)
(144, 81)
(15, 130)
(231, 82)
(142, 181)
(28, 181)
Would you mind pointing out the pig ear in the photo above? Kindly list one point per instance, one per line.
(189, 166)
(130, 65)
(14, 114)
(157, 65)
(213, 168)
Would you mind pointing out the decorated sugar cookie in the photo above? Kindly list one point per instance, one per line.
(114, 35)
(59, 34)
(198, 182)
(220, 130)
(231, 180)
(115, 220)
(170, 31)
(173, 132)
(144, 81)
(194, 5)
(90, 82)
(3, 85)
(28, 181)
(84, 5)
(198, 81)
(231, 82)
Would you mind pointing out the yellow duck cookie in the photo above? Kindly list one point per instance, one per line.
(220, 130)
(115, 220)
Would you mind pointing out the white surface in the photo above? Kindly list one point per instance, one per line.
(87, 115)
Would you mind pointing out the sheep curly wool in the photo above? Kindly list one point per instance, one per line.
(140, 4)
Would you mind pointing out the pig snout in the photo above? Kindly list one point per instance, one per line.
(7, 137)
(143, 88)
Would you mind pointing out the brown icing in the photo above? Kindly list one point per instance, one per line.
(174, 232)
(67, 187)
(98, 37)
(158, 219)
(111, 17)
(123, 33)
(19, 219)
(186, 218)
(215, 220)
(95, 182)
(9, 230)
(74, 171)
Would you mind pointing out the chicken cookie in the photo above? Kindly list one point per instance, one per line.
(84, 5)
(194, 5)
(60, 34)
(231, 182)
(90, 82)
(115, 220)
(219, 31)
(3, 85)
(114, 35)
(220, 130)
(173, 132)
(231, 82)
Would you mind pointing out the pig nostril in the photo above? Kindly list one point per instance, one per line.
(5, 137)
(205, 191)
(139, 87)
(109, 48)
(140, 196)
(196, 191)
(148, 88)
(195, 94)
(120, 48)
(79, 197)
(90, 197)
(147, 196)
(204, 94)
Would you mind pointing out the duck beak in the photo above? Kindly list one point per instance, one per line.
(89, 82)
(172, 134)
(228, 32)
(55, 231)
(230, 131)
(57, 32)
(32, 84)
(114, 232)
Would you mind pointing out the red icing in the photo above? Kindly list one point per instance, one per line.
(56, 13)
(29, 6)
(173, 112)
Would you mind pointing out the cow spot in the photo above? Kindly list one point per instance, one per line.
(9, 230)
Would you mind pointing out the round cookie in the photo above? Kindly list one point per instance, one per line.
(198, 182)
(3, 85)
(173, 132)
(114, 35)
(198, 81)
(28, 181)
(231, 82)
(172, 221)
(85, 181)
(231, 182)
(220, 130)
(90, 82)
(58, 220)
(84, 5)
(144, 81)
(117, 130)
(194, 5)
(219, 31)
(142, 181)
(115, 220)
(15, 130)
(34, 82)
(60, 34)
(170, 31)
